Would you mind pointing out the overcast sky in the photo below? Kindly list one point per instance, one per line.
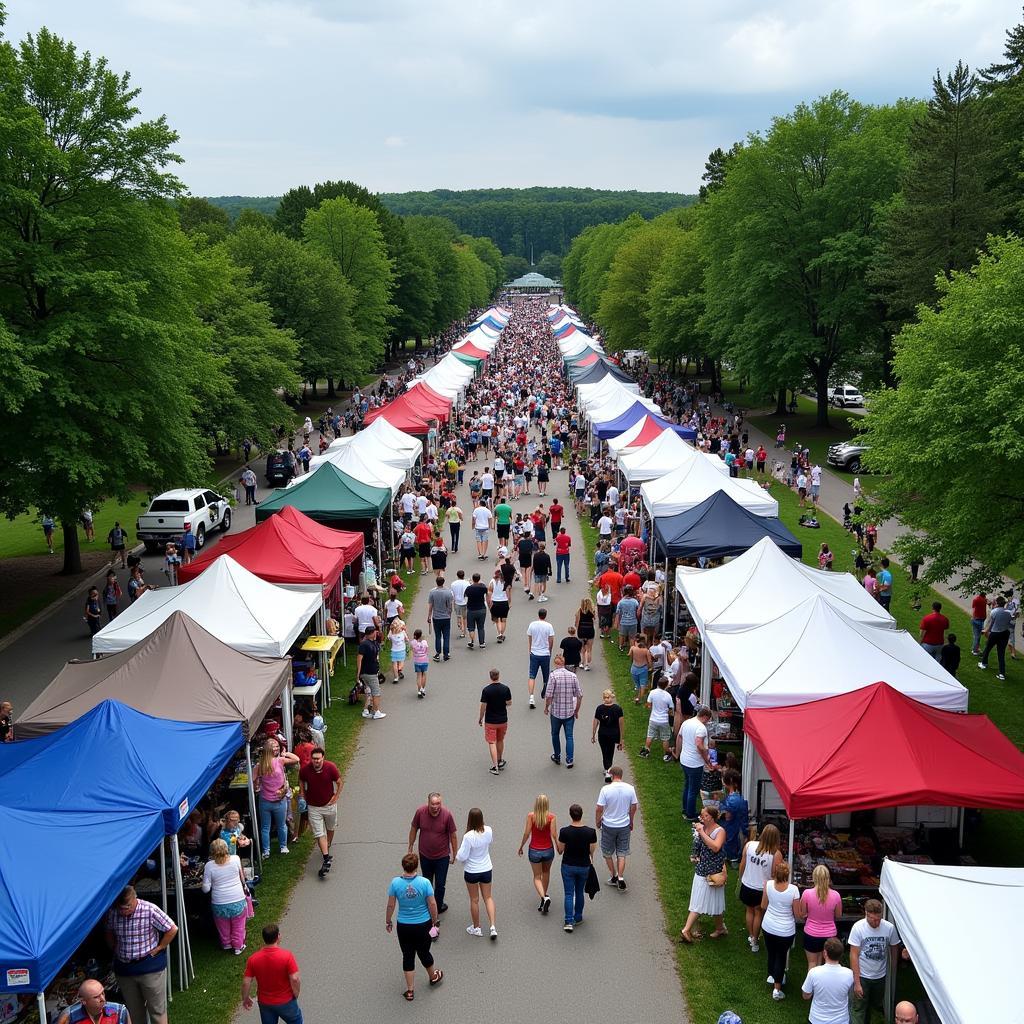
(423, 94)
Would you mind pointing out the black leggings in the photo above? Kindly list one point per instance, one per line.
(996, 640)
(608, 744)
(415, 942)
(777, 947)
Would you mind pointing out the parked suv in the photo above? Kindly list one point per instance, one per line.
(846, 455)
(169, 512)
(845, 395)
(281, 467)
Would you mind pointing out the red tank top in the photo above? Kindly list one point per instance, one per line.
(540, 838)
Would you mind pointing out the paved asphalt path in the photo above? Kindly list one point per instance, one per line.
(618, 965)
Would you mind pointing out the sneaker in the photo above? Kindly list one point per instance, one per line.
(755, 947)
(545, 904)
(531, 597)
(324, 868)
(644, 752)
(750, 941)
(614, 880)
(770, 980)
(239, 952)
(447, 657)
(568, 764)
(533, 703)
(667, 757)
(367, 713)
(379, 714)
(470, 645)
(778, 995)
(501, 765)
(437, 657)
(556, 759)
(494, 933)
(542, 598)
(482, 645)
(474, 931)
(329, 859)
(607, 777)
(586, 668)
(441, 909)
(284, 849)
(622, 885)
(494, 770)
(1000, 676)
(420, 694)
(982, 666)
(566, 927)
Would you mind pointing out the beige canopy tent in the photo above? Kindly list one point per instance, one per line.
(180, 672)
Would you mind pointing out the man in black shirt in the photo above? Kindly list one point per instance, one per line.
(541, 571)
(476, 611)
(526, 548)
(571, 647)
(367, 669)
(495, 699)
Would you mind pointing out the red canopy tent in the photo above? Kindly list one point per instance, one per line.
(648, 432)
(426, 400)
(467, 348)
(411, 411)
(876, 747)
(284, 550)
(588, 360)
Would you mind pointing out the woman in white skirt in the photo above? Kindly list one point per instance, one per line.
(709, 857)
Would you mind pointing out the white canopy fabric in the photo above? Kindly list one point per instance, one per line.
(967, 976)
(483, 332)
(624, 443)
(357, 463)
(617, 404)
(450, 377)
(663, 455)
(606, 393)
(479, 339)
(381, 440)
(813, 651)
(239, 609)
(694, 481)
(764, 581)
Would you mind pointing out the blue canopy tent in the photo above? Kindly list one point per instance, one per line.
(115, 762)
(719, 528)
(488, 320)
(637, 411)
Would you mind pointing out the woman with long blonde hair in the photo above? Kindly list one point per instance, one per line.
(272, 786)
(757, 866)
(540, 829)
(822, 907)
(585, 616)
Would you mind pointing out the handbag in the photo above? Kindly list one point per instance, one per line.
(719, 878)
(250, 912)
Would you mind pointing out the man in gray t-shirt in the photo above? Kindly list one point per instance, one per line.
(440, 604)
(997, 635)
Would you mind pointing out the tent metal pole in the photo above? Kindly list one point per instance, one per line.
(326, 655)
(675, 612)
(889, 1004)
(257, 853)
(41, 1000)
(705, 676)
(792, 841)
(960, 837)
(664, 609)
(286, 714)
(161, 856)
(185, 951)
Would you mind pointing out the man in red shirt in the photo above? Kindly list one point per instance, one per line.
(979, 612)
(760, 458)
(320, 787)
(632, 579)
(562, 544)
(277, 981)
(615, 582)
(424, 534)
(439, 843)
(933, 631)
(556, 511)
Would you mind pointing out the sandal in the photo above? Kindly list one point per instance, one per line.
(683, 937)
(437, 977)
(719, 934)
(409, 995)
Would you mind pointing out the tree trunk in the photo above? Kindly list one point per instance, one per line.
(331, 393)
(888, 377)
(716, 376)
(780, 402)
(72, 552)
(821, 386)
(312, 389)
(419, 342)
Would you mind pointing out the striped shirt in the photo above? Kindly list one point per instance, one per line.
(138, 933)
(563, 693)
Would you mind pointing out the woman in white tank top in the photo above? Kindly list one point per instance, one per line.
(757, 864)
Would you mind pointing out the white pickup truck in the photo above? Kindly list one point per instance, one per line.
(845, 395)
(169, 512)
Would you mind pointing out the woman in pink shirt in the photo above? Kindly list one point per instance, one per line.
(822, 905)
(273, 789)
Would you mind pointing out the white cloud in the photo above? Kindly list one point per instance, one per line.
(270, 93)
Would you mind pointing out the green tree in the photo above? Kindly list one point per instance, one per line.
(490, 256)
(474, 279)
(940, 219)
(200, 216)
(550, 265)
(308, 296)
(948, 438)
(436, 237)
(513, 267)
(1002, 87)
(597, 250)
(790, 236)
(715, 168)
(350, 235)
(95, 291)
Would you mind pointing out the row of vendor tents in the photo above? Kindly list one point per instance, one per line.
(843, 711)
(115, 753)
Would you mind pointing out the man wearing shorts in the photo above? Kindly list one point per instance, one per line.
(495, 699)
(367, 672)
(503, 520)
(320, 787)
(482, 517)
(616, 809)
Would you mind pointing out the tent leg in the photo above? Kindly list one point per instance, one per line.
(705, 676)
(325, 662)
(792, 841)
(889, 1004)
(664, 610)
(286, 714)
(184, 951)
(675, 613)
(960, 835)
(41, 999)
(257, 853)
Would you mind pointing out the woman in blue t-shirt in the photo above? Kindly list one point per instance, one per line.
(417, 921)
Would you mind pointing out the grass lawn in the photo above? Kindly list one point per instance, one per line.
(216, 992)
(724, 974)
(23, 535)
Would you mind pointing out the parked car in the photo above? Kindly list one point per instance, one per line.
(169, 512)
(281, 467)
(846, 455)
(845, 395)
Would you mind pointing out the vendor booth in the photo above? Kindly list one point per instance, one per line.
(958, 924)
(360, 463)
(663, 455)
(328, 497)
(386, 441)
(695, 481)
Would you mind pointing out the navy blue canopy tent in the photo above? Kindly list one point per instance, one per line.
(599, 370)
(718, 528)
(127, 779)
(637, 411)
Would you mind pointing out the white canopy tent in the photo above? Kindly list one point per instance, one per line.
(229, 602)
(481, 335)
(449, 378)
(624, 443)
(620, 402)
(691, 483)
(609, 393)
(479, 339)
(663, 455)
(737, 594)
(970, 972)
(357, 463)
(381, 440)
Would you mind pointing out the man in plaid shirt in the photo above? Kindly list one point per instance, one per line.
(562, 704)
(139, 933)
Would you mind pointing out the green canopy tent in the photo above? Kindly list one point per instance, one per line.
(332, 497)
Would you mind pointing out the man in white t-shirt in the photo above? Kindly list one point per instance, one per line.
(604, 527)
(661, 702)
(366, 615)
(459, 585)
(828, 987)
(612, 496)
(815, 482)
(692, 753)
(541, 640)
(408, 505)
(616, 809)
(482, 517)
(487, 485)
(872, 941)
(421, 504)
